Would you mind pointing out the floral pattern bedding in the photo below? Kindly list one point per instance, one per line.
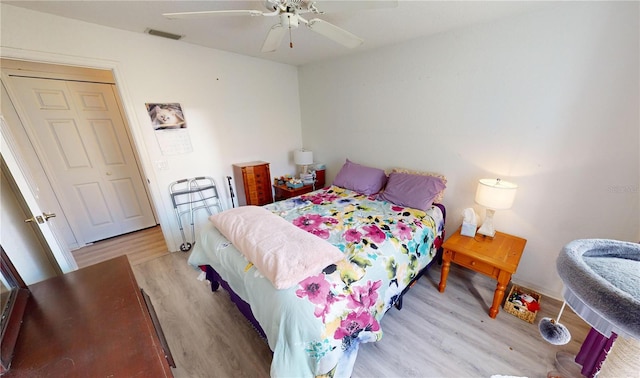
(315, 328)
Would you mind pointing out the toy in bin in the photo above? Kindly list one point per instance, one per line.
(525, 305)
(525, 301)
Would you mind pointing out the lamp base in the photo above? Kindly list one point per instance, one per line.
(303, 170)
(487, 226)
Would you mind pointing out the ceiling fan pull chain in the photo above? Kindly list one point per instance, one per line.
(290, 38)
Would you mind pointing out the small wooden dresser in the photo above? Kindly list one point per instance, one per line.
(284, 192)
(253, 183)
(93, 322)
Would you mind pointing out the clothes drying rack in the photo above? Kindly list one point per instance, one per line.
(189, 196)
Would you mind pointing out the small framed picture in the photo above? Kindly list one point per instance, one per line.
(166, 116)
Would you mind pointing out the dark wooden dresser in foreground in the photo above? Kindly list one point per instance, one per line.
(94, 322)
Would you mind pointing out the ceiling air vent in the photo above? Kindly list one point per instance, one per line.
(160, 33)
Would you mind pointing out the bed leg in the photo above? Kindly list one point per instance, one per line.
(211, 278)
(398, 303)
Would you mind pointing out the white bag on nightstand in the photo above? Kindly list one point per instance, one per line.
(469, 222)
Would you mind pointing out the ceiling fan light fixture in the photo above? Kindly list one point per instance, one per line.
(289, 20)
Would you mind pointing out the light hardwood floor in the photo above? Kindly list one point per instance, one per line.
(435, 334)
(139, 246)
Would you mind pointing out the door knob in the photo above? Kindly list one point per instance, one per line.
(48, 215)
(37, 219)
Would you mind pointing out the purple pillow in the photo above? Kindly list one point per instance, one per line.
(414, 191)
(359, 178)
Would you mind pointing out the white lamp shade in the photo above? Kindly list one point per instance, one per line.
(495, 194)
(303, 157)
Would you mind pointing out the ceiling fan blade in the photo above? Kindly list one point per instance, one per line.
(202, 14)
(335, 33)
(274, 38)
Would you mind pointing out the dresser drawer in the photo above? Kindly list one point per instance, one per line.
(259, 175)
(474, 264)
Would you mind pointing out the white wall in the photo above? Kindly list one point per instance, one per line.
(548, 100)
(237, 108)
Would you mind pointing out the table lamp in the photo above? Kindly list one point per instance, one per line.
(304, 158)
(494, 194)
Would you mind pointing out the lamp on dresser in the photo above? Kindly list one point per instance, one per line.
(304, 158)
(494, 194)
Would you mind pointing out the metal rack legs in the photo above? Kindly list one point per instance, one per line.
(189, 196)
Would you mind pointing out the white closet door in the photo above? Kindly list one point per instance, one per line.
(80, 137)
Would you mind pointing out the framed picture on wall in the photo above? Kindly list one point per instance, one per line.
(166, 116)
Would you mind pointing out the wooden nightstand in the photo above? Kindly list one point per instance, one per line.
(496, 257)
(283, 192)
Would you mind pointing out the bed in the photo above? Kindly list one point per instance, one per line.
(315, 326)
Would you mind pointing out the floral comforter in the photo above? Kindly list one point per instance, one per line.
(315, 327)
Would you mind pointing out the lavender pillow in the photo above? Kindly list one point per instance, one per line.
(414, 191)
(359, 178)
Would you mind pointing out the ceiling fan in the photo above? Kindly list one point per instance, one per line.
(289, 12)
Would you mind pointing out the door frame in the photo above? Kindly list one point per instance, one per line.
(12, 78)
(149, 177)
